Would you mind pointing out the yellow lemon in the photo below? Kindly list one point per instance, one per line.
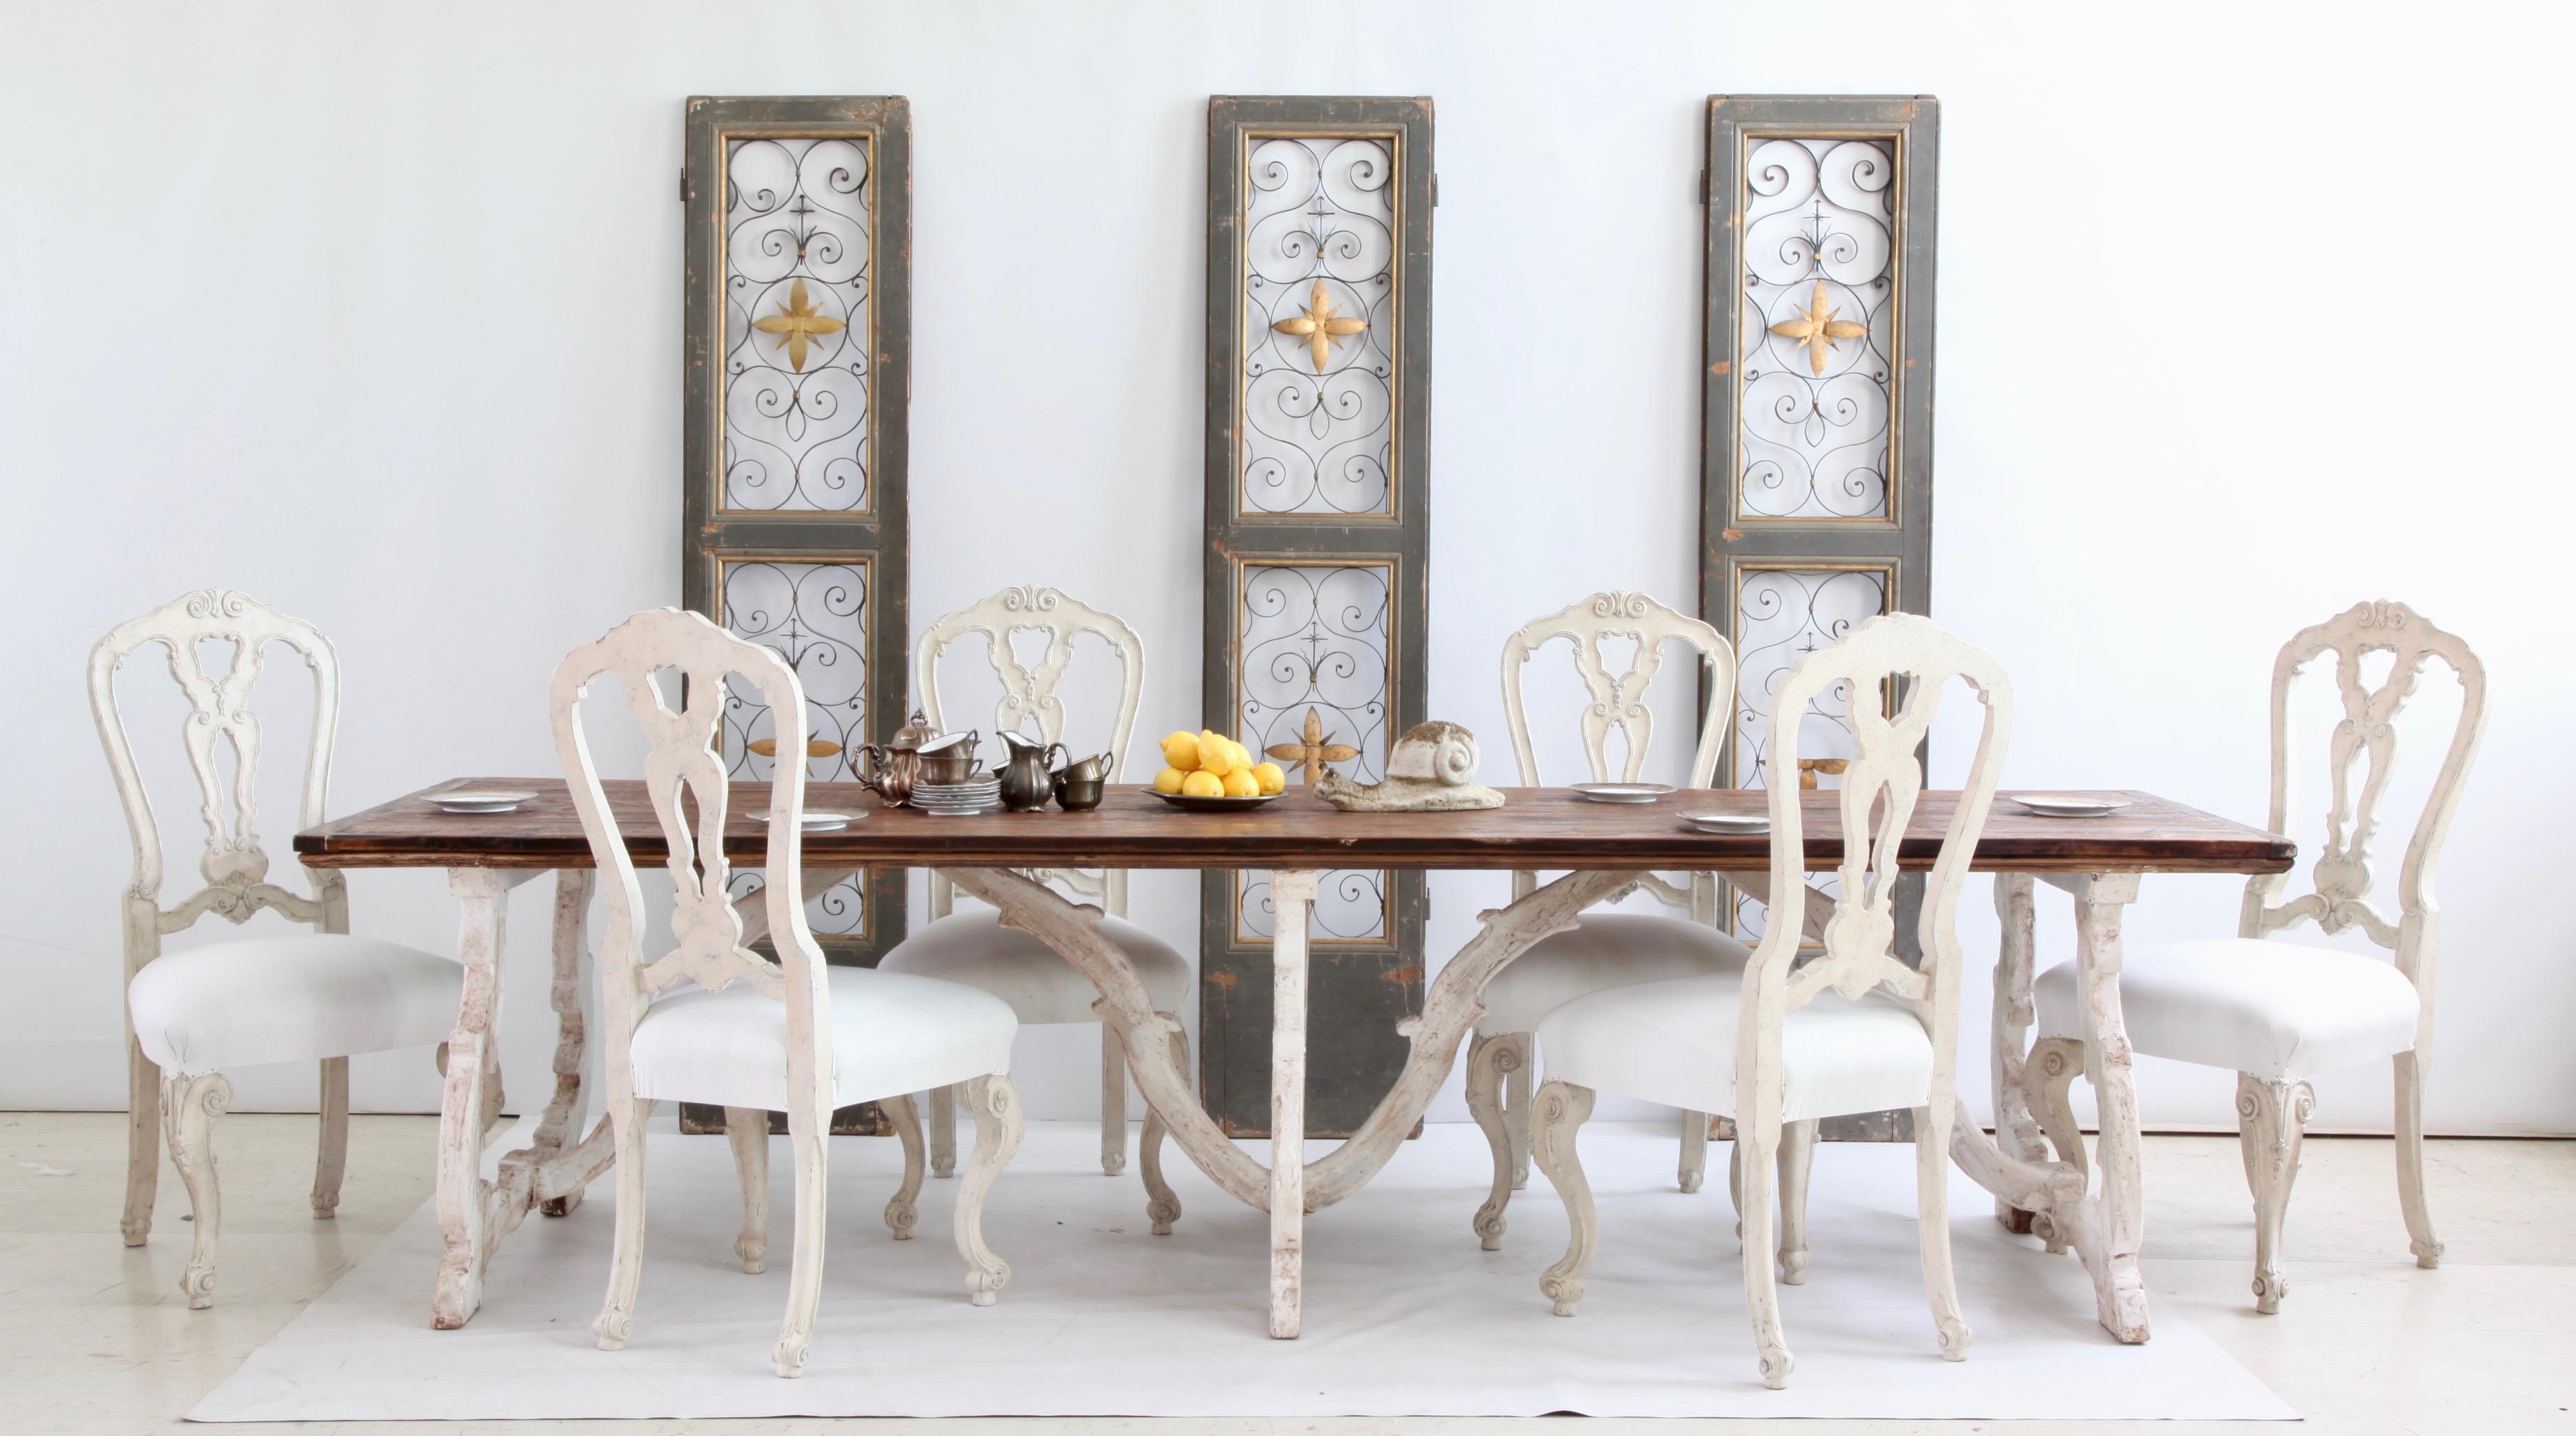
(1169, 780)
(1181, 750)
(1203, 784)
(1242, 756)
(1271, 777)
(1216, 754)
(1241, 784)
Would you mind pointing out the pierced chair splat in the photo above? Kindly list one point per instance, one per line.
(978, 948)
(2279, 1011)
(1603, 949)
(751, 1033)
(1850, 1029)
(319, 997)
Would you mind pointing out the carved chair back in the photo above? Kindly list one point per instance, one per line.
(684, 776)
(235, 866)
(1029, 696)
(2339, 898)
(1916, 658)
(1618, 701)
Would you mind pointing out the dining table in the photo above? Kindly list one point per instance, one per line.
(1598, 850)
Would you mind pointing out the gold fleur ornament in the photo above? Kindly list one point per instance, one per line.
(798, 324)
(1315, 752)
(1320, 327)
(1817, 328)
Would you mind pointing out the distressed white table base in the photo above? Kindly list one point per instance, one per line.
(474, 1214)
(2103, 1225)
(2103, 1222)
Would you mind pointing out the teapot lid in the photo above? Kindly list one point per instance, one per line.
(912, 734)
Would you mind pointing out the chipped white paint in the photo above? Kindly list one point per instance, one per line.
(1613, 702)
(1883, 781)
(994, 1103)
(188, 1112)
(685, 780)
(1029, 696)
(2272, 1114)
(234, 868)
(1292, 891)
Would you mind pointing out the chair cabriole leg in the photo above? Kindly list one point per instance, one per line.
(332, 1160)
(747, 1130)
(994, 1102)
(616, 1318)
(1693, 1170)
(2410, 1158)
(943, 1132)
(1113, 1102)
(1489, 1058)
(1797, 1159)
(1932, 1203)
(903, 1209)
(189, 1107)
(1162, 1204)
(809, 1132)
(1556, 1115)
(2270, 1119)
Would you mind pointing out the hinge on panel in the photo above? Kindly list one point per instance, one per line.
(684, 186)
(1703, 184)
(1435, 191)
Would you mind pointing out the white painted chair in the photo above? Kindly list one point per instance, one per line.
(975, 948)
(756, 1035)
(1853, 1029)
(1603, 949)
(318, 997)
(2278, 1012)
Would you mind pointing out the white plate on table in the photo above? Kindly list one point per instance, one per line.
(480, 800)
(1621, 792)
(2068, 805)
(1728, 823)
(817, 820)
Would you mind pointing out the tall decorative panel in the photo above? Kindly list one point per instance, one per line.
(798, 351)
(1318, 424)
(1816, 456)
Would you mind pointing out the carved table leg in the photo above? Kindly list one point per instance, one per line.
(2013, 1019)
(563, 1115)
(2110, 1243)
(1488, 1059)
(1162, 1204)
(1291, 891)
(466, 1225)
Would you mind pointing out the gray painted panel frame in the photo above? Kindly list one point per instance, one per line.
(1902, 542)
(1360, 990)
(881, 536)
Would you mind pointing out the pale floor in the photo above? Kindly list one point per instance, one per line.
(95, 1338)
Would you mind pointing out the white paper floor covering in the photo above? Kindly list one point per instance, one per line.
(1404, 1314)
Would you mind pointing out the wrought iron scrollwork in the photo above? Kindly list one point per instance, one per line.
(814, 615)
(1318, 637)
(1819, 246)
(1319, 239)
(796, 344)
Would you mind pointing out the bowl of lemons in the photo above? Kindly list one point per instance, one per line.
(1208, 771)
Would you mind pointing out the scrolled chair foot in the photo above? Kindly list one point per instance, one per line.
(1776, 1366)
(611, 1327)
(1490, 1226)
(1565, 1292)
(1793, 1266)
(789, 1357)
(1955, 1338)
(900, 1218)
(2269, 1288)
(2428, 1255)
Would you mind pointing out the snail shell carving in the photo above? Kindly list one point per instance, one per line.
(1432, 768)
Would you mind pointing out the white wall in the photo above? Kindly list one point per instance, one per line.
(373, 312)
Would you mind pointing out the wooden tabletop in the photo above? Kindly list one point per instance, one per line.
(1538, 828)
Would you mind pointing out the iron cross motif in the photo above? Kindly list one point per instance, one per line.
(1314, 753)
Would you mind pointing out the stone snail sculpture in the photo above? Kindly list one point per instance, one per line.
(1431, 770)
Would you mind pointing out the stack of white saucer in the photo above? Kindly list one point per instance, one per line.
(979, 795)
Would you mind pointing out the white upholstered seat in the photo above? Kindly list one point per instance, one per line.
(2275, 1010)
(1607, 949)
(1674, 1042)
(290, 998)
(319, 996)
(1813, 1052)
(1040, 986)
(890, 1033)
(1603, 950)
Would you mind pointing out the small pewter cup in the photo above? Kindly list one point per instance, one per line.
(955, 764)
(1078, 795)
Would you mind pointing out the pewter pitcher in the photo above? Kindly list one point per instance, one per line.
(1026, 783)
